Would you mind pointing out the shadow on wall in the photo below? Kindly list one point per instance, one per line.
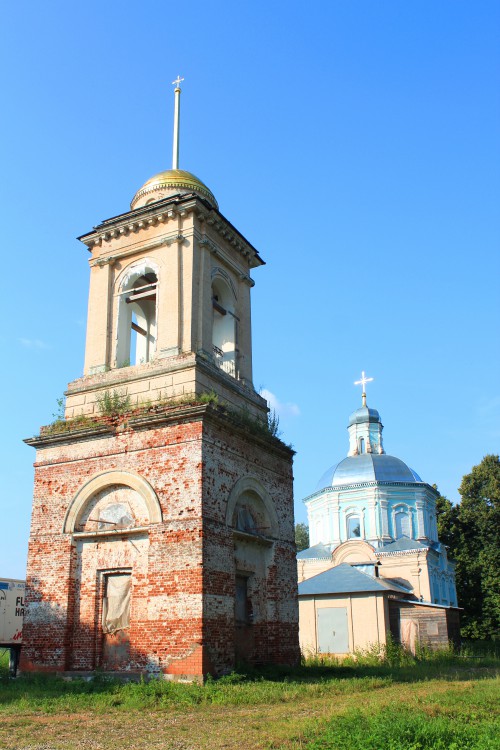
(53, 641)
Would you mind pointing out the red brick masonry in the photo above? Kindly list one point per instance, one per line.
(183, 568)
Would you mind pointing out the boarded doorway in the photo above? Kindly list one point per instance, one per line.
(116, 621)
(332, 630)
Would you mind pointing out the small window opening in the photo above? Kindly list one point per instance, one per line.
(353, 527)
(361, 445)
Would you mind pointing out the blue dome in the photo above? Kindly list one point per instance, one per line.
(368, 467)
(364, 414)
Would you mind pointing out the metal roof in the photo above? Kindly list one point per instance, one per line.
(403, 544)
(368, 467)
(319, 551)
(344, 579)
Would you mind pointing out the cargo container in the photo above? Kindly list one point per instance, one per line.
(11, 619)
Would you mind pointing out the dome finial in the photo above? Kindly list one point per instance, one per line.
(364, 380)
(177, 111)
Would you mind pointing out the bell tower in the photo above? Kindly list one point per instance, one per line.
(169, 302)
(162, 534)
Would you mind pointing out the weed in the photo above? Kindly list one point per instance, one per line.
(111, 403)
(209, 397)
(59, 414)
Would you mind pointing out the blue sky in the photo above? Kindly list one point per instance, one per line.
(355, 144)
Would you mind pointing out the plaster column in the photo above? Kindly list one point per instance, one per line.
(99, 337)
(372, 518)
(169, 302)
(244, 360)
(384, 519)
(420, 505)
(335, 521)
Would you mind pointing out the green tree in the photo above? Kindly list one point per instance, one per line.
(478, 550)
(301, 536)
(447, 523)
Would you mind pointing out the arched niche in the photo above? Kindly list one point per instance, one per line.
(402, 521)
(95, 488)
(224, 322)
(250, 509)
(353, 551)
(136, 333)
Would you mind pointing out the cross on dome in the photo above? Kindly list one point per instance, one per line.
(364, 380)
(177, 82)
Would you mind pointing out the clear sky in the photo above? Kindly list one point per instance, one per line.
(354, 143)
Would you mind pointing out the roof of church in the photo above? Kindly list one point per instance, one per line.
(317, 552)
(403, 544)
(367, 467)
(364, 414)
(172, 180)
(344, 579)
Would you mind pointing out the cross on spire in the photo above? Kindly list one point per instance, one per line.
(364, 380)
(177, 82)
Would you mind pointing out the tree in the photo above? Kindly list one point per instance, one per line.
(301, 536)
(478, 550)
(447, 522)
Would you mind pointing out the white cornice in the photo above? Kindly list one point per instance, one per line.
(165, 240)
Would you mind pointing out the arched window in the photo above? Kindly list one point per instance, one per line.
(361, 445)
(353, 526)
(402, 523)
(223, 326)
(136, 340)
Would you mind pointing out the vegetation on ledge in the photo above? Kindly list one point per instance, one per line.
(115, 408)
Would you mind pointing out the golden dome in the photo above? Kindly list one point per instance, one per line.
(171, 182)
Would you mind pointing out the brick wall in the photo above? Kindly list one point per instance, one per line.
(183, 568)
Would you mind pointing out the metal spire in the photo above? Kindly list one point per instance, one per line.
(364, 380)
(177, 111)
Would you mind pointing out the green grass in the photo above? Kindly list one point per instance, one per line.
(407, 729)
(316, 678)
(442, 701)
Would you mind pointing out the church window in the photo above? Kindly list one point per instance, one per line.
(403, 524)
(224, 327)
(353, 527)
(136, 342)
(361, 445)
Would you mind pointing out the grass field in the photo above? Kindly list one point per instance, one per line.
(444, 702)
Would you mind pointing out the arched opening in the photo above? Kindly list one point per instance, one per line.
(223, 327)
(136, 339)
(361, 445)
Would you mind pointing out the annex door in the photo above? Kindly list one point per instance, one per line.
(333, 637)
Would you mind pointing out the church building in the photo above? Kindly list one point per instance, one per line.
(162, 535)
(376, 565)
